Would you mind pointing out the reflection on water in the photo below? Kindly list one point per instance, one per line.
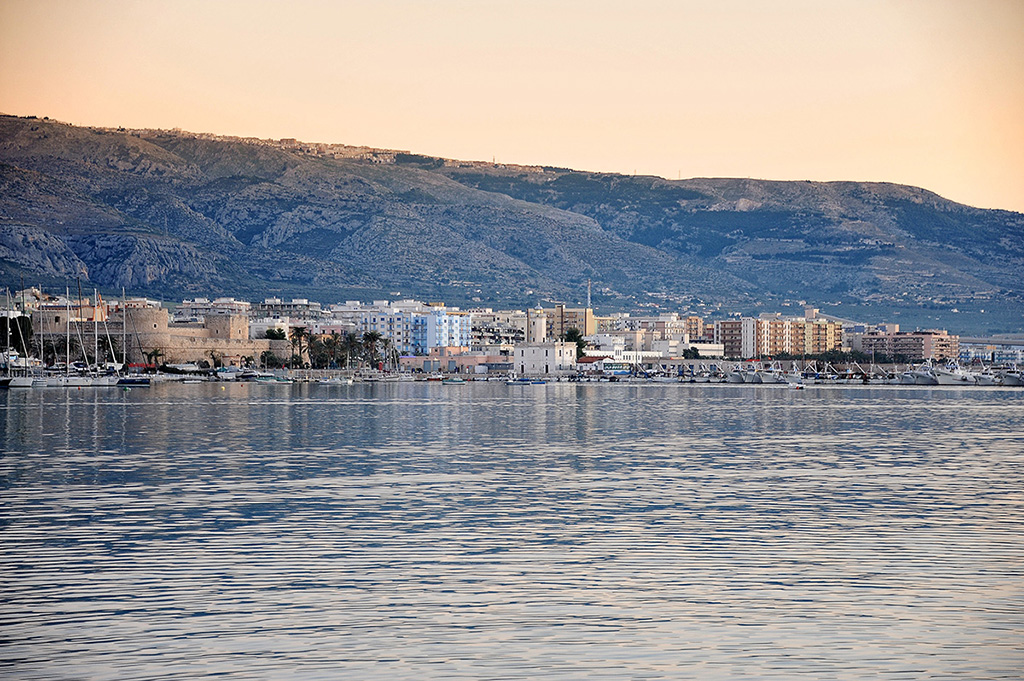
(491, 531)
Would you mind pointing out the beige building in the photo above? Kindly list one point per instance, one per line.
(771, 335)
(560, 319)
(912, 345)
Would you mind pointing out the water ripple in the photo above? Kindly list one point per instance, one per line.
(413, 531)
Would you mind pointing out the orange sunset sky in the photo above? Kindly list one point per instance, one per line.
(921, 92)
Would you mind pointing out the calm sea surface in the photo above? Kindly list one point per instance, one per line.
(485, 531)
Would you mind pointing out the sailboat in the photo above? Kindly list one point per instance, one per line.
(68, 380)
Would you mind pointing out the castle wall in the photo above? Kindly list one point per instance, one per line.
(224, 339)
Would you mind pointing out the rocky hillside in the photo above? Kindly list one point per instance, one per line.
(174, 214)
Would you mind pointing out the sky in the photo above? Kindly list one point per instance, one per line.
(922, 92)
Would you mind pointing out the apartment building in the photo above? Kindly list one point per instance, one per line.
(296, 308)
(771, 335)
(912, 345)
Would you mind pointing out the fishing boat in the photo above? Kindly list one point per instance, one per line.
(923, 374)
(986, 377)
(952, 374)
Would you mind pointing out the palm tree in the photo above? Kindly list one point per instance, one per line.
(153, 355)
(298, 334)
(371, 339)
(331, 344)
(321, 350)
(352, 347)
(390, 353)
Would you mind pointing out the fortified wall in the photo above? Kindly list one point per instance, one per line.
(221, 338)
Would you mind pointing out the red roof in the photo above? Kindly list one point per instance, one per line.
(590, 359)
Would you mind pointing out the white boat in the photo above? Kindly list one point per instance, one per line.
(922, 375)
(69, 381)
(774, 375)
(952, 374)
(985, 377)
(337, 380)
(1012, 377)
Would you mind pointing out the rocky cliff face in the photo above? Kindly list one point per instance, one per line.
(175, 214)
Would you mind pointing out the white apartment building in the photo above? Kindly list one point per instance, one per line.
(412, 327)
(258, 327)
(448, 329)
(197, 309)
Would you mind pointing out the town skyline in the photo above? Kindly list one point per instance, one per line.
(424, 335)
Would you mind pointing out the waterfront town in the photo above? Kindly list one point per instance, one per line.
(79, 334)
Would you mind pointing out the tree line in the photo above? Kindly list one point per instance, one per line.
(331, 351)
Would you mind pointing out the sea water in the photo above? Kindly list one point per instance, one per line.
(485, 531)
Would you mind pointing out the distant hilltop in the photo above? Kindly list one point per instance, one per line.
(172, 214)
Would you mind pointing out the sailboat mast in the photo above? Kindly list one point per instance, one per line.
(7, 329)
(95, 329)
(67, 331)
(124, 333)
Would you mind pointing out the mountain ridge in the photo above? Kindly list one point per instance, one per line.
(178, 214)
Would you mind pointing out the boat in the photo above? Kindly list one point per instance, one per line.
(69, 381)
(270, 378)
(337, 380)
(774, 374)
(952, 374)
(922, 374)
(985, 377)
(1012, 377)
(454, 380)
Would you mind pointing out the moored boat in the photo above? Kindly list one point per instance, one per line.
(1012, 377)
(952, 374)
